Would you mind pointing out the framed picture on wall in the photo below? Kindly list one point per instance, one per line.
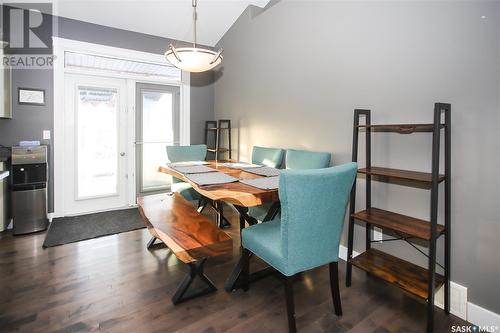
(28, 96)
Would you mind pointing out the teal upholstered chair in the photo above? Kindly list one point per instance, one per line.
(271, 157)
(185, 154)
(313, 205)
(295, 159)
(303, 159)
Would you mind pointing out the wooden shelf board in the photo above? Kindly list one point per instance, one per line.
(400, 128)
(220, 128)
(400, 174)
(401, 273)
(403, 224)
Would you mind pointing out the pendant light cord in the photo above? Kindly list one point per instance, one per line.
(194, 3)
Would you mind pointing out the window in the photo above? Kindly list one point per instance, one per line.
(76, 60)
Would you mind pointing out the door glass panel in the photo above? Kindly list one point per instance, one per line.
(157, 132)
(97, 142)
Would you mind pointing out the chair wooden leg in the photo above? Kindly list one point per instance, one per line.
(334, 286)
(245, 269)
(290, 308)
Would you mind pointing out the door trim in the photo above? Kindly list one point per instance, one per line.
(60, 46)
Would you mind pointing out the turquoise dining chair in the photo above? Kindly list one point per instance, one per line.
(271, 157)
(313, 205)
(303, 159)
(295, 159)
(186, 154)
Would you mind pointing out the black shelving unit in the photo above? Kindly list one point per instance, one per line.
(412, 278)
(213, 137)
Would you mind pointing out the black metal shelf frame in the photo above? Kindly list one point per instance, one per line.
(217, 128)
(440, 109)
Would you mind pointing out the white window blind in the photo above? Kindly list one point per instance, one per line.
(117, 65)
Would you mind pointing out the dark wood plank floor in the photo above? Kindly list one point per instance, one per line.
(114, 284)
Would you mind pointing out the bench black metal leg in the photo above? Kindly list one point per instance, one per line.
(151, 242)
(195, 269)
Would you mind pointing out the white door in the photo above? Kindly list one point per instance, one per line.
(95, 134)
(157, 126)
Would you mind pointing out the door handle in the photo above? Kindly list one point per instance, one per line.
(122, 153)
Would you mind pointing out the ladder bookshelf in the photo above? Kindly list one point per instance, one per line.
(416, 280)
(217, 128)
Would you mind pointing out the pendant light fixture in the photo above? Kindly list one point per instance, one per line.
(193, 59)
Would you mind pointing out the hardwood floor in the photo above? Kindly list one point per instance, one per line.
(115, 284)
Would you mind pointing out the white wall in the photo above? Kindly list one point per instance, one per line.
(292, 76)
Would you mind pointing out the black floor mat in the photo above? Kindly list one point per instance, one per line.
(71, 229)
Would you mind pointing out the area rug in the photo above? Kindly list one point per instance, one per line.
(71, 229)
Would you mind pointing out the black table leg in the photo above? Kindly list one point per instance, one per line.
(272, 212)
(233, 281)
(222, 222)
(202, 203)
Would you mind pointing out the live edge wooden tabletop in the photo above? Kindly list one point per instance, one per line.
(233, 193)
(188, 234)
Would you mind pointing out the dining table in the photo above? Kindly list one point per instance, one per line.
(241, 196)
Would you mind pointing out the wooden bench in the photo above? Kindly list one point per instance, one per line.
(191, 236)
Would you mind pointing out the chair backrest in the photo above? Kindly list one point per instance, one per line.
(313, 207)
(187, 153)
(271, 157)
(303, 159)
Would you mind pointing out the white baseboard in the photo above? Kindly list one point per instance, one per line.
(378, 234)
(458, 300)
(483, 318)
(343, 253)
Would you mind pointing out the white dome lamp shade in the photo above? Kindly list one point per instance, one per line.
(193, 59)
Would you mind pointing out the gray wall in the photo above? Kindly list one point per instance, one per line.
(202, 104)
(28, 122)
(293, 74)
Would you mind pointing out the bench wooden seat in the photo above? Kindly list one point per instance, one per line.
(191, 236)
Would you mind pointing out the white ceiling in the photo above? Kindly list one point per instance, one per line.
(165, 18)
